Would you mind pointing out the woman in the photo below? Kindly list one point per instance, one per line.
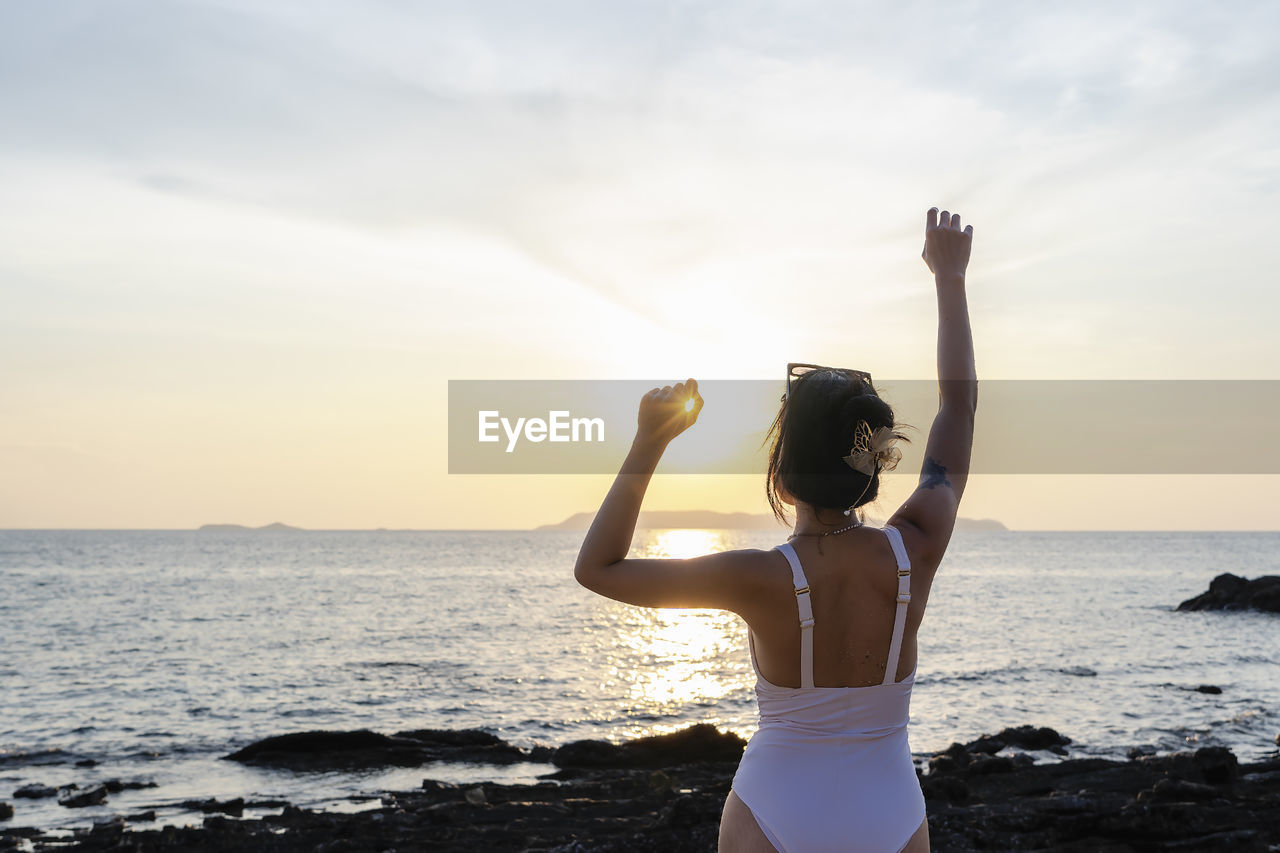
(833, 613)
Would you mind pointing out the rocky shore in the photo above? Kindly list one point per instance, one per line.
(1018, 789)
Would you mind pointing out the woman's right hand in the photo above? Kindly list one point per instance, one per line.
(946, 247)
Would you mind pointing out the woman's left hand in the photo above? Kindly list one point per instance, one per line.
(668, 411)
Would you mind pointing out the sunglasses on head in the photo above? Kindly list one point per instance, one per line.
(797, 369)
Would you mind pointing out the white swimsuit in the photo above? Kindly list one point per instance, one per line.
(830, 767)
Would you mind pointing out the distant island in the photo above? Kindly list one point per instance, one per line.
(240, 528)
(712, 520)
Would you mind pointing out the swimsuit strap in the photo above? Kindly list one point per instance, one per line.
(805, 609)
(904, 598)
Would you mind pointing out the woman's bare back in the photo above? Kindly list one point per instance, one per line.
(853, 586)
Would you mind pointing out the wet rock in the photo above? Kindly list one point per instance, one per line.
(1232, 592)
(949, 788)
(109, 826)
(1030, 737)
(1181, 789)
(1209, 688)
(1217, 764)
(983, 763)
(6, 811)
(1139, 751)
(986, 744)
(683, 812)
(233, 807)
(86, 762)
(35, 791)
(115, 786)
(465, 745)
(74, 798)
(364, 748)
(697, 743)
(951, 760)
(660, 780)
(475, 796)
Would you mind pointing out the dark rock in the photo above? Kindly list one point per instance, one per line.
(363, 748)
(660, 780)
(73, 798)
(1209, 688)
(1139, 751)
(1181, 789)
(115, 786)
(941, 765)
(109, 826)
(86, 762)
(987, 744)
(465, 745)
(6, 811)
(453, 737)
(266, 804)
(148, 816)
(683, 812)
(233, 807)
(947, 788)
(1217, 764)
(698, 743)
(1033, 737)
(35, 791)
(1232, 592)
(983, 763)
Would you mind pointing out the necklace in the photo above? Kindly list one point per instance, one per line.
(822, 536)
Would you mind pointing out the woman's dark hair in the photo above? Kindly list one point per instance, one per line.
(815, 429)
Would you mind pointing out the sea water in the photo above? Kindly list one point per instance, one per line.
(154, 653)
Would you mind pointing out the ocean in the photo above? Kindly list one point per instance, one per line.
(154, 653)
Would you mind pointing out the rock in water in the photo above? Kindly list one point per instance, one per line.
(74, 799)
(6, 811)
(698, 743)
(1023, 737)
(1232, 592)
(35, 791)
(365, 748)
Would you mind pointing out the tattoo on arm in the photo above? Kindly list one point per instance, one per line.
(934, 474)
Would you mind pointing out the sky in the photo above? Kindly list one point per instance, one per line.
(245, 246)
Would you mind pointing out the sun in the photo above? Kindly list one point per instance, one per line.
(681, 544)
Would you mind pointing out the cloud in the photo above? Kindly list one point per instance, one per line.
(645, 152)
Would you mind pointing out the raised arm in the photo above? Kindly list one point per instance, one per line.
(931, 509)
(713, 580)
